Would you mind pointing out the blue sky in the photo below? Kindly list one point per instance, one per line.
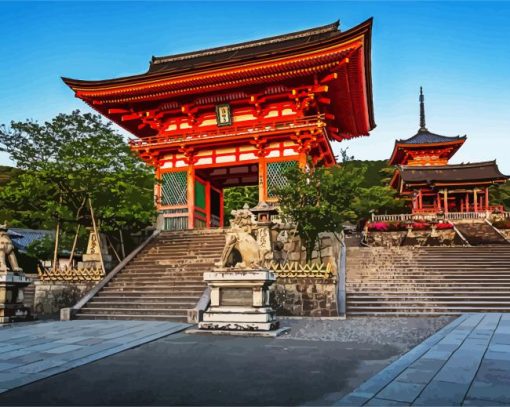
(458, 51)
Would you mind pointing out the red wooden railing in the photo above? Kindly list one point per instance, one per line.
(238, 130)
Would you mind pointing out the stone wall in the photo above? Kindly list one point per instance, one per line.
(293, 251)
(50, 297)
(311, 297)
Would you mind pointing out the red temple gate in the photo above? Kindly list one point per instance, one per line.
(240, 114)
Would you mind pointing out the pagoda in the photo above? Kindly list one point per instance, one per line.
(424, 176)
(239, 115)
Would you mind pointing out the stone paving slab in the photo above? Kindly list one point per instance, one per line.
(36, 351)
(466, 362)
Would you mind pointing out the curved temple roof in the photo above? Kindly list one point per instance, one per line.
(323, 50)
(472, 173)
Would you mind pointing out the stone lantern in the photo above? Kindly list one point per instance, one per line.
(264, 212)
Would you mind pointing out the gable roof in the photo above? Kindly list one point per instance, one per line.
(486, 171)
(243, 50)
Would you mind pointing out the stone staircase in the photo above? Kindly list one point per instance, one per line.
(162, 282)
(427, 280)
(480, 233)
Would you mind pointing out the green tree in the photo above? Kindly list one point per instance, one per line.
(322, 199)
(236, 197)
(68, 160)
(500, 195)
(376, 199)
(319, 200)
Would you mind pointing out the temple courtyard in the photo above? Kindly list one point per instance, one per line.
(379, 361)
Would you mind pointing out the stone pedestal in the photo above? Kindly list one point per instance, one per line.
(11, 297)
(239, 300)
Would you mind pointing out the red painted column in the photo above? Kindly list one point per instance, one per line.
(208, 205)
(191, 196)
(467, 202)
(486, 198)
(475, 200)
(262, 179)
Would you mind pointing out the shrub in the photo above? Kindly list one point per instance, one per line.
(444, 226)
(502, 224)
(421, 226)
(378, 226)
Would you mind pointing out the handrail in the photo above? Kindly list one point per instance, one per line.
(342, 261)
(496, 230)
(247, 129)
(109, 276)
(466, 242)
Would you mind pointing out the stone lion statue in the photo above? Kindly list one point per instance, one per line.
(241, 248)
(7, 252)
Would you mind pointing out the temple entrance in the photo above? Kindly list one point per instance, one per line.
(202, 205)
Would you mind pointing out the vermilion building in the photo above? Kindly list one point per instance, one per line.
(424, 177)
(239, 114)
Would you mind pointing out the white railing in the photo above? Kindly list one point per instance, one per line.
(432, 216)
(398, 217)
(467, 215)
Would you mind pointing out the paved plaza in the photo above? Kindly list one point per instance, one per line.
(30, 352)
(446, 361)
(465, 363)
(317, 363)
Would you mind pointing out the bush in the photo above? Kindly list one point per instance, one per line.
(444, 226)
(502, 224)
(421, 226)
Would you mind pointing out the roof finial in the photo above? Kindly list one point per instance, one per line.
(422, 110)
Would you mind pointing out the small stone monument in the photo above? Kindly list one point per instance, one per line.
(96, 250)
(12, 282)
(239, 282)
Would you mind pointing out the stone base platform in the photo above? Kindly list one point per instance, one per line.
(264, 334)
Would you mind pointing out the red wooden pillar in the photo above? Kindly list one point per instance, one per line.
(475, 200)
(486, 198)
(191, 196)
(438, 202)
(467, 202)
(445, 195)
(420, 200)
(262, 179)
(208, 205)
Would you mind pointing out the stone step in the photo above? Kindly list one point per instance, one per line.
(169, 312)
(154, 285)
(131, 317)
(150, 298)
(141, 304)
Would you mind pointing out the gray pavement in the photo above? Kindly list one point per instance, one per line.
(30, 352)
(465, 363)
(316, 364)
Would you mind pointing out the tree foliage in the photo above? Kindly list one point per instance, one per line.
(322, 199)
(236, 197)
(67, 160)
(500, 195)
